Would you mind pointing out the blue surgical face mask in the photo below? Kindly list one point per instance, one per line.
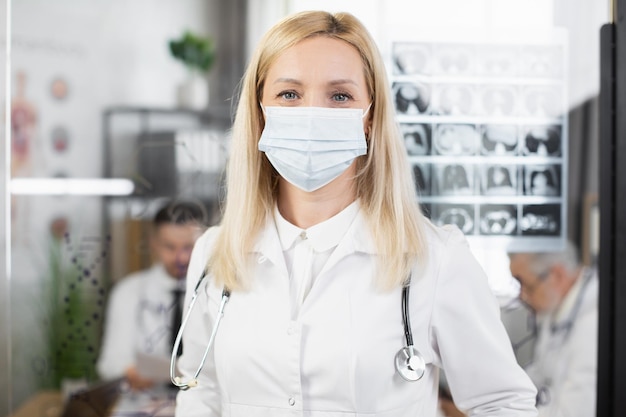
(311, 146)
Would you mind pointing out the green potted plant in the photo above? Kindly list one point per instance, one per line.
(197, 53)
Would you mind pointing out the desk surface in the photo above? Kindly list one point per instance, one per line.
(152, 403)
(155, 403)
(43, 404)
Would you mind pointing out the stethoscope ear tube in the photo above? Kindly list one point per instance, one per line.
(176, 380)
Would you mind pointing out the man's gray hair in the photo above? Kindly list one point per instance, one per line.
(541, 262)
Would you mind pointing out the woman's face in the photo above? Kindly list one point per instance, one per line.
(317, 72)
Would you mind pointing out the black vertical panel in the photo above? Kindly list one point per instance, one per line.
(619, 239)
(612, 260)
(606, 257)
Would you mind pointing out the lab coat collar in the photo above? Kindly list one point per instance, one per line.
(267, 245)
(323, 236)
(164, 280)
(357, 239)
(573, 299)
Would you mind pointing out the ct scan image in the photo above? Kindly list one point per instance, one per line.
(542, 180)
(498, 219)
(456, 139)
(417, 138)
(454, 59)
(541, 220)
(499, 139)
(411, 58)
(542, 101)
(498, 100)
(542, 140)
(541, 61)
(455, 179)
(499, 180)
(411, 98)
(497, 60)
(454, 100)
(461, 215)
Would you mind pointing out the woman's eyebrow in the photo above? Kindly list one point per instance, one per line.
(342, 81)
(287, 81)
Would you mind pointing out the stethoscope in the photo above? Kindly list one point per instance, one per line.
(176, 380)
(409, 363)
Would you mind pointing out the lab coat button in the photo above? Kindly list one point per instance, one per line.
(262, 259)
(292, 401)
(291, 329)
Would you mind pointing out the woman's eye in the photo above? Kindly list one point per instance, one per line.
(341, 97)
(288, 95)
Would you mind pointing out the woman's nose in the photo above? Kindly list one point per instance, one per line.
(315, 100)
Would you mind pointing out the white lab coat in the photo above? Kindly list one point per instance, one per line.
(565, 357)
(138, 320)
(337, 357)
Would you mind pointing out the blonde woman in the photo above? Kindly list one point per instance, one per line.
(321, 233)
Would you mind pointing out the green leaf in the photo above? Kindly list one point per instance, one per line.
(194, 51)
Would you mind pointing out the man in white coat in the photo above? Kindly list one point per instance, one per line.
(144, 308)
(564, 297)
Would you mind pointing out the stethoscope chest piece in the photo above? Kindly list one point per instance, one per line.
(410, 363)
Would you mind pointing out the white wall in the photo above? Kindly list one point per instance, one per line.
(583, 19)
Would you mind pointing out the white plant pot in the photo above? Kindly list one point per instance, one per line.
(193, 93)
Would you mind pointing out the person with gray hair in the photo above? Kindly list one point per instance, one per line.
(563, 294)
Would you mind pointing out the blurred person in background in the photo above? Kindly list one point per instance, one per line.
(144, 309)
(563, 296)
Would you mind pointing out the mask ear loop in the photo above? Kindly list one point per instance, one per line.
(263, 117)
(275, 174)
(369, 125)
(367, 109)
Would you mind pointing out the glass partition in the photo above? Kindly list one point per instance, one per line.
(103, 132)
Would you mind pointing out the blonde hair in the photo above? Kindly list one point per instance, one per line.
(384, 181)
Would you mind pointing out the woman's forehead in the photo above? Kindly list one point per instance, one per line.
(319, 56)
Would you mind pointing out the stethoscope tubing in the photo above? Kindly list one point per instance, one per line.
(408, 361)
(406, 320)
(177, 381)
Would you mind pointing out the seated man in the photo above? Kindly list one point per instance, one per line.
(144, 309)
(564, 297)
